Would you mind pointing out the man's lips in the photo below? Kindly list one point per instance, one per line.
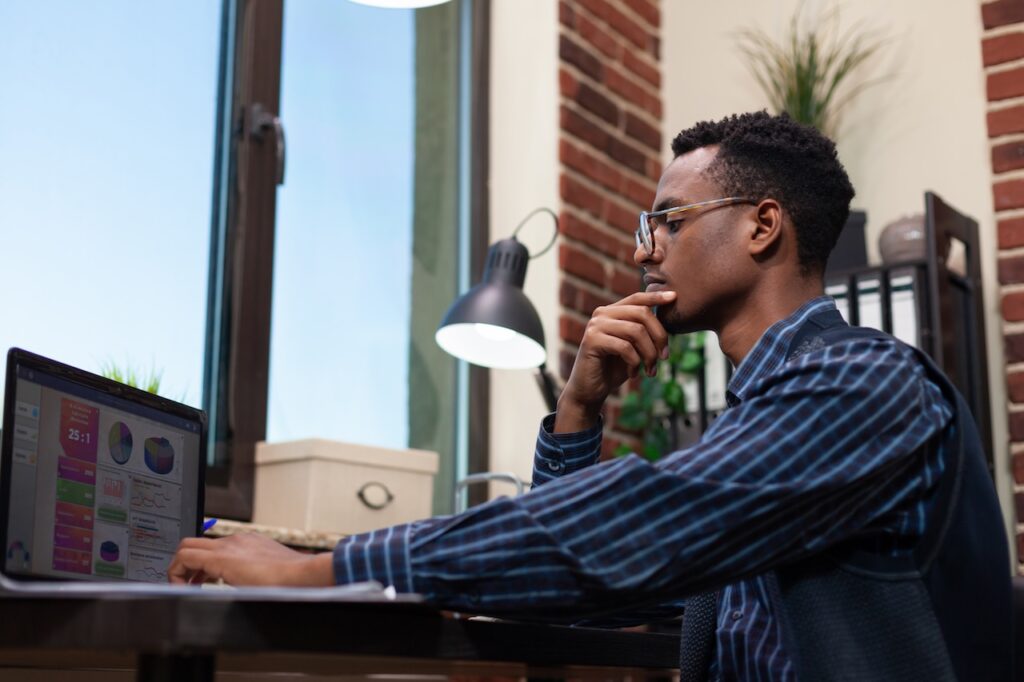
(654, 283)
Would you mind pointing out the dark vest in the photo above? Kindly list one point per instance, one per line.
(943, 613)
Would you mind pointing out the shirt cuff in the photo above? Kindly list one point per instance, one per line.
(380, 555)
(562, 453)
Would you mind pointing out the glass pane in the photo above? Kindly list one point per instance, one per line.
(339, 364)
(106, 137)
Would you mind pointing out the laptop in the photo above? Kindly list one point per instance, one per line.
(99, 481)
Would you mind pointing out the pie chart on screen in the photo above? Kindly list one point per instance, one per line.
(159, 455)
(120, 442)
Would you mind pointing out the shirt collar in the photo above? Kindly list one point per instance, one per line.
(769, 353)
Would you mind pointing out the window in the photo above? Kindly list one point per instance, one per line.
(106, 135)
(326, 292)
(141, 195)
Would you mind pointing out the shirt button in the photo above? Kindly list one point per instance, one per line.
(736, 615)
(555, 466)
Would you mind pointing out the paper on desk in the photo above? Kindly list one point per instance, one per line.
(366, 591)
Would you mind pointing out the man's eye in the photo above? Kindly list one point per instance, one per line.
(674, 223)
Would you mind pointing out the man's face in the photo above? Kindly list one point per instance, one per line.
(700, 254)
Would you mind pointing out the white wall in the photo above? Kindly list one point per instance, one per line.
(524, 176)
(922, 129)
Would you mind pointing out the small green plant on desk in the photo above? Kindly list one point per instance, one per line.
(658, 408)
(149, 382)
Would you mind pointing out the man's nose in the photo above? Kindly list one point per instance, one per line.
(640, 255)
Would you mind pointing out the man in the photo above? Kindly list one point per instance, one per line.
(835, 522)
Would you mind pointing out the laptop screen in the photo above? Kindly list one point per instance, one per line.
(99, 481)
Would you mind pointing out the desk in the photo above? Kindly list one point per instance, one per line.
(179, 638)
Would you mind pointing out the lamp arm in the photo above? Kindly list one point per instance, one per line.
(548, 387)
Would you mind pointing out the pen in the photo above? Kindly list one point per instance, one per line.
(208, 524)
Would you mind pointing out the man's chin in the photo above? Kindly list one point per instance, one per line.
(674, 322)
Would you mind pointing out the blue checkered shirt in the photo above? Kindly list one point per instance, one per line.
(821, 445)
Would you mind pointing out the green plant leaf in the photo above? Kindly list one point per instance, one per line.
(674, 397)
(692, 361)
(622, 450)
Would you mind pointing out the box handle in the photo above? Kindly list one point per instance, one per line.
(361, 494)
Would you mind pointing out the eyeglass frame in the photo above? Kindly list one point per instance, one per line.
(645, 229)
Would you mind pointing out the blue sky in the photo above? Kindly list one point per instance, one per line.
(106, 132)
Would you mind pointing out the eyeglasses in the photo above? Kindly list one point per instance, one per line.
(650, 221)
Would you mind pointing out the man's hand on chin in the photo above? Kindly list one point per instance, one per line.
(248, 559)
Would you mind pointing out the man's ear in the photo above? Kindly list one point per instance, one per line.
(766, 236)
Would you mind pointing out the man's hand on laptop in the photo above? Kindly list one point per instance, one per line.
(248, 559)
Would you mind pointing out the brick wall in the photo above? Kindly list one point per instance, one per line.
(1003, 57)
(610, 158)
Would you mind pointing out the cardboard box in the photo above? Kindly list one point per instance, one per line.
(328, 486)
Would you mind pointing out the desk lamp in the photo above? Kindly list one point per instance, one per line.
(494, 324)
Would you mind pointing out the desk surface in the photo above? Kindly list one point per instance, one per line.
(182, 626)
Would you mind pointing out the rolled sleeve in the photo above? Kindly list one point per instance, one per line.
(558, 454)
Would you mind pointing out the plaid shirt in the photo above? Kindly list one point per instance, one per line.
(827, 444)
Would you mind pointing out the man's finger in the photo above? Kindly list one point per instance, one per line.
(637, 334)
(637, 314)
(648, 298)
(189, 561)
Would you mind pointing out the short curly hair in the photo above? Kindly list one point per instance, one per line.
(762, 156)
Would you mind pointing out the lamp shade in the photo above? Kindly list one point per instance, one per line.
(494, 324)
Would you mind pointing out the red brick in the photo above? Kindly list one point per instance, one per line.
(581, 299)
(628, 155)
(640, 130)
(568, 86)
(641, 193)
(1004, 48)
(589, 166)
(570, 329)
(1013, 311)
(1005, 84)
(624, 86)
(1002, 12)
(1008, 194)
(577, 194)
(596, 103)
(637, 93)
(654, 170)
(1018, 469)
(1014, 345)
(642, 68)
(620, 23)
(573, 53)
(1011, 233)
(576, 124)
(1017, 432)
(646, 9)
(598, 37)
(1011, 269)
(566, 14)
(1015, 386)
(620, 218)
(614, 246)
(577, 262)
(1006, 121)
(625, 282)
(1007, 157)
